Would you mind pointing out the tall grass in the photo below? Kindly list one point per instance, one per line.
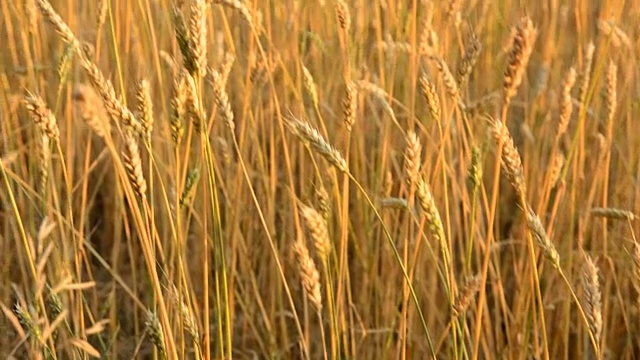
(319, 179)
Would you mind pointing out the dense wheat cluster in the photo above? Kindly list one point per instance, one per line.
(347, 179)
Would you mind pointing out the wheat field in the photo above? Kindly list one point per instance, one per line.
(346, 179)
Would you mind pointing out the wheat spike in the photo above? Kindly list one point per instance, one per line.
(312, 137)
(434, 221)
(611, 95)
(468, 61)
(42, 116)
(242, 8)
(44, 158)
(586, 73)
(198, 35)
(521, 49)
(222, 99)
(178, 107)
(133, 164)
(350, 105)
(412, 159)
(310, 85)
(344, 16)
(225, 68)
(91, 109)
(309, 275)
(511, 161)
(474, 173)
(145, 107)
(591, 298)
(613, 213)
(61, 27)
(467, 294)
(317, 226)
(566, 104)
(192, 103)
(152, 325)
(185, 41)
(540, 235)
(431, 96)
(449, 81)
